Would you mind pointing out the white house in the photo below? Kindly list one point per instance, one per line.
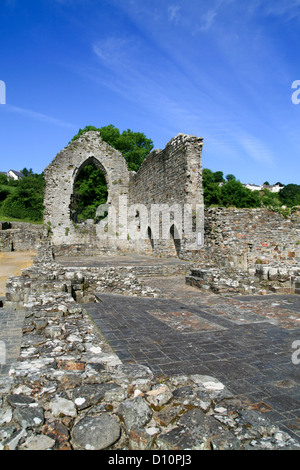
(253, 187)
(16, 175)
(273, 188)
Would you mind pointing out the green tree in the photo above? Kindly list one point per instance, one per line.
(3, 179)
(211, 189)
(230, 177)
(219, 178)
(233, 193)
(269, 199)
(90, 186)
(134, 146)
(90, 190)
(27, 172)
(26, 201)
(290, 195)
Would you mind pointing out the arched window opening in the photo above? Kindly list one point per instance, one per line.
(176, 239)
(90, 191)
(150, 237)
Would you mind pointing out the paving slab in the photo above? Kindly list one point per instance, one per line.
(245, 342)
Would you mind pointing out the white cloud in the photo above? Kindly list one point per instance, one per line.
(207, 20)
(114, 50)
(288, 9)
(173, 12)
(39, 116)
(256, 149)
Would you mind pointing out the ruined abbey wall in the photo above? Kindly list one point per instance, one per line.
(169, 185)
(60, 177)
(168, 177)
(168, 180)
(245, 238)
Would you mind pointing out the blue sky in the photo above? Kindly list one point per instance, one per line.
(219, 69)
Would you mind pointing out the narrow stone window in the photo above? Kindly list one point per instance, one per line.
(150, 238)
(176, 239)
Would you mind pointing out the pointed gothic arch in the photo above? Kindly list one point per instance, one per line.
(60, 177)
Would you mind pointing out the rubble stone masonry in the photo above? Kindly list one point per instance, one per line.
(245, 238)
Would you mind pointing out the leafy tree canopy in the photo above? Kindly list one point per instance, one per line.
(26, 201)
(134, 146)
(233, 193)
(290, 195)
(89, 192)
(27, 172)
(90, 186)
(217, 192)
(3, 178)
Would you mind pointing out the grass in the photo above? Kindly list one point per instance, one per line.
(3, 218)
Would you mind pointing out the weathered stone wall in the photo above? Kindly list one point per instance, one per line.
(244, 238)
(166, 177)
(172, 178)
(60, 176)
(159, 210)
(19, 236)
(172, 174)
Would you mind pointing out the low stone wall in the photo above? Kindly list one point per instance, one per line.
(260, 280)
(243, 238)
(46, 275)
(234, 238)
(19, 236)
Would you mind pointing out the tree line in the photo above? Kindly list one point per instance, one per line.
(23, 199)
(228, 191)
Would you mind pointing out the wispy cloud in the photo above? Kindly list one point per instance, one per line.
(287, 10)
(173, 13)
(39, 116)
(114, 50)
(207, 20)
(256, 149)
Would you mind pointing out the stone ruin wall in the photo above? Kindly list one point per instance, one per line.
(245, 238)
(248, 251)
(241, 239)
(165, 178)
(172, 175)
(60, 176)
(19, 236)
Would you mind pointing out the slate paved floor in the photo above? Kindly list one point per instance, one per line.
(245, 342)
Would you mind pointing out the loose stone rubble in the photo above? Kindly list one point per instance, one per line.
(70, 391)
(261, 279)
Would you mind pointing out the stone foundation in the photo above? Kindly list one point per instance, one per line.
(19, 236)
